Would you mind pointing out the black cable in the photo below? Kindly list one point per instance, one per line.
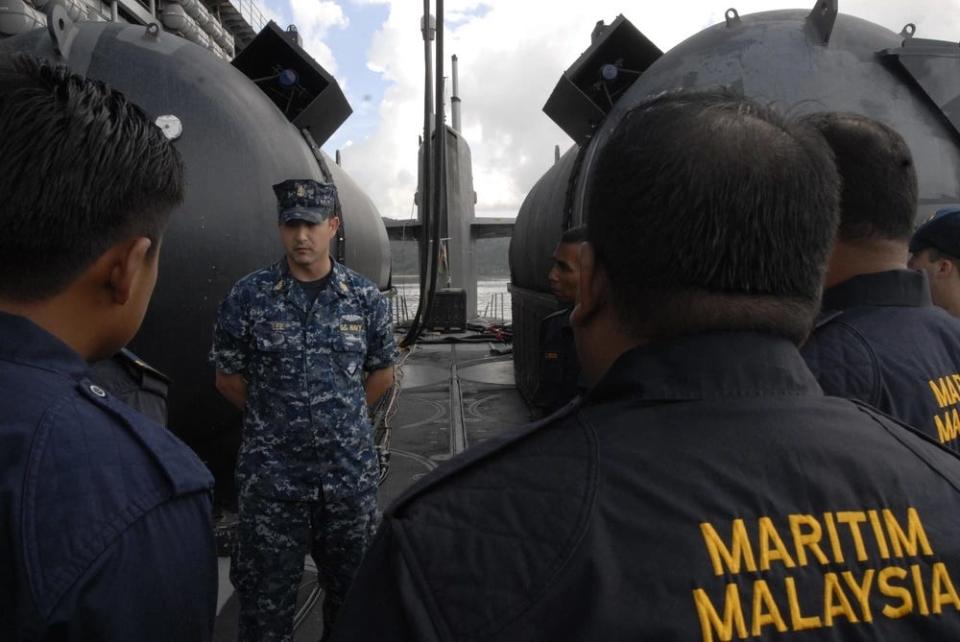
(440, 166)
(439, 205)
(425, 192)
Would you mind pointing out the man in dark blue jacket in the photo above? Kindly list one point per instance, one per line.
(705, 488)
(559, 369)
(880, 339)
(105, 526)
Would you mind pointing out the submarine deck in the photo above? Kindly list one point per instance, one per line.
(454, 393)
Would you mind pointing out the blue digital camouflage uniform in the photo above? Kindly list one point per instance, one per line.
(307, 470)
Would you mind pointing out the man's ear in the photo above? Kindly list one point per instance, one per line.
(592, 293)
(128, 259)
(334, 225)
(945, 268)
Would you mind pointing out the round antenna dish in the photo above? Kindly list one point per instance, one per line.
(288, 78)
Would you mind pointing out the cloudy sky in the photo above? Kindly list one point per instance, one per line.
(511, 53)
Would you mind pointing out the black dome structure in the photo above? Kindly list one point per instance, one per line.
(236, 143)
(800, 60)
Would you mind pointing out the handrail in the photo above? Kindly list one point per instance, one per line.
(251, 11)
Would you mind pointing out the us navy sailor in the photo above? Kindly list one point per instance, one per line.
(705, 488)
(880, 338)
(302, 347)
(105, 516)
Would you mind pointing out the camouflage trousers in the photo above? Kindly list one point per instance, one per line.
(273, 537)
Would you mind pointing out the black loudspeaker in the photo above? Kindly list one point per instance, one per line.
(586, 92)
(449, 309)
(307, 95)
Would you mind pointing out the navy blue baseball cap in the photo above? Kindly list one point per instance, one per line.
(305, 200)
(941, 232)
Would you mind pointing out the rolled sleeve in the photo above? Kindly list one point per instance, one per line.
(381, 346)
(230, 351)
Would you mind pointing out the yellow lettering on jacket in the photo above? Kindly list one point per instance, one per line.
(878, 534)
(775, 598)
(891, 590)
(835, 602)
(771, 546)
(942, 591)
(712, 624)
(853, 519)
(739, 551)
(952, 391)
(909, 543)
(861, 591)
(948, 425)
(834, 537)
(765, 611)
(798, 621)
(918, 590)
(809, 538)
(940, 392)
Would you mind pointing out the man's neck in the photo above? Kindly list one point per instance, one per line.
(949, 300)
(57, 317)
(850, 259)
(600, 343)
(315, 271)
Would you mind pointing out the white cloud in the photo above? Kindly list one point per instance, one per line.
(314, 20)
(512, 52)
(270, 13)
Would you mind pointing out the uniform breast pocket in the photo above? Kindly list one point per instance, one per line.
(349, 351)
(277, 337)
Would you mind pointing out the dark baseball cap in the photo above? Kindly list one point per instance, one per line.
(941, 232)
(305, 200)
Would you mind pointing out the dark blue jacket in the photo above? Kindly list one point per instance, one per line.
(559, 372)
(705, 489)
(881, 340)
(105, 525)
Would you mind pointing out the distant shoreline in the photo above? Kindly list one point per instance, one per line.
(414, 278)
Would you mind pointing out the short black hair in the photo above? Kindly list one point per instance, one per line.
(879, 194)
(937, 255)
(708, 211)
(576, 234)
(82, 168)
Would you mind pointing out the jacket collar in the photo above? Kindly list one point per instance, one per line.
(23, 341)
(286, 283)
(903, 288)
(711, 365)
